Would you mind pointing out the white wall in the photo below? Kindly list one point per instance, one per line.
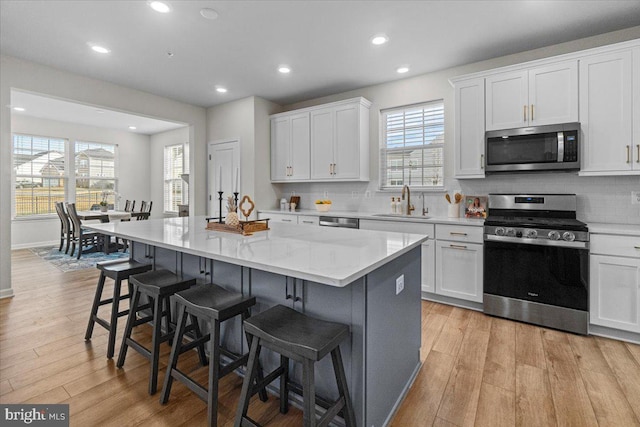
(133, 170)
(606, 199)
(248, 121)
(158, 142)
(31, 77)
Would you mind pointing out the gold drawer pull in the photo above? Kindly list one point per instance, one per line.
(638, 153)
(482, 160)
(531, 112)
(457, 247)
(457, 233)
(524, 114)
(628, 154)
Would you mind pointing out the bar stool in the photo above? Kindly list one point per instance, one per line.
(214, 305)
(118, 271)
(305, 340)
(157, 286)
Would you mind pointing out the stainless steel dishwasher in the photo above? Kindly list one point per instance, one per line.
(340, 222)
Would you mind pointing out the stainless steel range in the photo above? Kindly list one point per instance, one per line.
(536, 261)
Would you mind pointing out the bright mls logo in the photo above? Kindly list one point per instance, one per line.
(35, 415)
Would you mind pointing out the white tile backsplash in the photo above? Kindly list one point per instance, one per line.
(604, 199)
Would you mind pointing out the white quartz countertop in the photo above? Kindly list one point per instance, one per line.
(621, 229)
(416, 217)
(332, 256)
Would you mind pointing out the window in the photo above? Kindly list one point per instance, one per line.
(173, 155)
(412, 144)
(95, 170)
(40, 174)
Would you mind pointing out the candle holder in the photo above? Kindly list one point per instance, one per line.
(220, 193)
(235, 197)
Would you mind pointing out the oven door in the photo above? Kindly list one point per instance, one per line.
(542, 271)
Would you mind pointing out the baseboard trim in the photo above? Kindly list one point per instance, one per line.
(616, 334)
(477, 306)
(34, 245)
(6, 293)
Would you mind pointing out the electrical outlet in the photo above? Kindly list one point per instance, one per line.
(367, 194)
(325, 195)
(399, 284)
(355, 195)
(635, 197)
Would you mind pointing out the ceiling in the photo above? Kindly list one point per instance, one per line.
(326, 43)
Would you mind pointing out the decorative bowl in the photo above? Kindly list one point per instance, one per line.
(324, 207)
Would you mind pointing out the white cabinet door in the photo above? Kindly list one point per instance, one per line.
(428, 264)
(308, 220)
(300, 148)
(507, 100)
(615, 292)
(636, 108)
(459, 270)
(346, 145)
(322, 143)
(553, 94)
(606, 114)
(469, 129)
(280, 145)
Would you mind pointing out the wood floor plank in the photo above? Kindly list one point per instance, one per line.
(56, 395)
(534, 401)
(634, 349)
(473, 350)
(449, 340)
(460, 400)
(496, 407)
(500, 364)
(480, 321)
(5, 387)
(529, 349)
(588, 354)
(625, 369)
(608, 400)
(431, 328)
(421, 405)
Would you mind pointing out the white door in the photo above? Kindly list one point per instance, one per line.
(606, 112)
(224, 173)
(322, 143)
(507, 101)
(615, 292)
(553, 94)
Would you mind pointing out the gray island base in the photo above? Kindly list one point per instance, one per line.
(382, 356)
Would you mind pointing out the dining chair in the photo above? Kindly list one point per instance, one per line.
(143, 206)
(65, 227)
(128, 206)
(80, 236)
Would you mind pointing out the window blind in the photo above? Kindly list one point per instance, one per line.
(412, 146)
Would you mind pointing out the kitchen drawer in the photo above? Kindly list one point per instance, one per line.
(606, 244)
(275, 217)
(308, 220)
(459, 233)
(399, 227)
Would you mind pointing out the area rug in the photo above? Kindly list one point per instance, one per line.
(66, 263)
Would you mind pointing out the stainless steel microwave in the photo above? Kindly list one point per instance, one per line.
(540, 148)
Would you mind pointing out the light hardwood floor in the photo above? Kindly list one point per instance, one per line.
(477, 370)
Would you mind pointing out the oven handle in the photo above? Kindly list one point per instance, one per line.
(538, 242)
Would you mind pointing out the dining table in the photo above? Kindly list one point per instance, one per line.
(108, 216)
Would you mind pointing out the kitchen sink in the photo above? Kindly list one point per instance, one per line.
(401, 216)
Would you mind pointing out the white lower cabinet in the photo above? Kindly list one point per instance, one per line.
(289, 218)
(428, 270)
(615, 282)
(459, 269)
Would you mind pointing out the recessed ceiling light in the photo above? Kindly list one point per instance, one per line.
(402, 70)
(133, 127)
(208, 13)
(99, 49)
(380, 39)
(18, 109)
(159, 6)
(284, 69)
(221, 89)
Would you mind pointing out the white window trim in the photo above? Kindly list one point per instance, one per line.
(71, 182)
(165, 181)
(382, 187)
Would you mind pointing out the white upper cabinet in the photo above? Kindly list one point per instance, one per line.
(340, 141)
(290, 147)
(469, 129)
(534, 97)
(609, 118)
(327, 142)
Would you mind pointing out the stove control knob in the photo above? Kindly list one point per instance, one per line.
(518, 233)
(554, 235)
(499, 231)
(511, 232)
(531, 234)
(569, 236)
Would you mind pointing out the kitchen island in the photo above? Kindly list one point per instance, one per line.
(369, 280)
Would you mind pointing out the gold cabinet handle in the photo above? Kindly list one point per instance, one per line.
(531, 112)
(628, 154)
(638, 153)
(457, 233)
(457, 247)
(482, 161)
(524, 114)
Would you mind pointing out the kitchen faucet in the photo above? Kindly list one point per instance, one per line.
(409, 205)
(424, 211)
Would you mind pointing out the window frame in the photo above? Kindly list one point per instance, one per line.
(167, 180)
(111, 194)
(437, 148)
